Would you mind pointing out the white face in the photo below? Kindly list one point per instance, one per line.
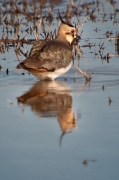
(69, 38)
(70, 35)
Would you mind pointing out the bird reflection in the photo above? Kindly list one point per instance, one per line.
(51, 99)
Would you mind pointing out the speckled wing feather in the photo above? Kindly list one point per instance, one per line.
(36, 48)
(49, 55)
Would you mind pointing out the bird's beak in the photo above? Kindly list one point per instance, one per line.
(76, 39)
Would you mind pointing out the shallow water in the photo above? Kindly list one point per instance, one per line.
(66, 129)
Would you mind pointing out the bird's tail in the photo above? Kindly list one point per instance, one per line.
(20, 66)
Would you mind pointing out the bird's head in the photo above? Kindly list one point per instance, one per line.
(67, 31)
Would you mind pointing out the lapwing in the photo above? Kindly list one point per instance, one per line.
(49, 59)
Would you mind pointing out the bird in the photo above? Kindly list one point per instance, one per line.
(49, 59)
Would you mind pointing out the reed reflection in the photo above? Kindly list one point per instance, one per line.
(51, 99)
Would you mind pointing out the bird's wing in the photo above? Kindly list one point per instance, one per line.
(50, 56)
(36, 48)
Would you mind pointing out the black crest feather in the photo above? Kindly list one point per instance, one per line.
(60, 17)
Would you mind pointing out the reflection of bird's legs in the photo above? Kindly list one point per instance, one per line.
(60, 141)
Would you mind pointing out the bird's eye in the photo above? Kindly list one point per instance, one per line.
(67, 33)
(72, 31)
